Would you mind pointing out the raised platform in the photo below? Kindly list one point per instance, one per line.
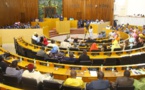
(53, 33)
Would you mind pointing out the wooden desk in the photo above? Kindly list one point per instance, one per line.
(63, 27)
(97, 28)
(6, 87)
(63, 73)
(93, 55)
(82, 71)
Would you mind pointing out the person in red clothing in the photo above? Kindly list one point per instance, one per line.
(45, 42)
(94, 46)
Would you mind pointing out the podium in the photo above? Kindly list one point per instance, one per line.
(97, 28)
(63, 27)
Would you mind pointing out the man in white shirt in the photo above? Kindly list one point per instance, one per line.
(131, 39)
(31, 73)
(35, 37)
(112, 34)
(65, 44)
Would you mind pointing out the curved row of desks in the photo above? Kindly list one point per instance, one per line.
(93, 55)
(6, 87)
(62, 71)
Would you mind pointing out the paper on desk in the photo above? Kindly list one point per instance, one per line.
(142, 72)
(135, 72)
(79, 77)
(93, 73)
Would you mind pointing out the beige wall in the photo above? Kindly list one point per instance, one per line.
(8, 34)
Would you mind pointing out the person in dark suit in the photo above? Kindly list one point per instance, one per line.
(71, 57)
(125, 80)
(3, 65)
(99, 84)
(84, 56)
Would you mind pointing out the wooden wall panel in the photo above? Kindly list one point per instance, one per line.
(18, 10)
(89, 9)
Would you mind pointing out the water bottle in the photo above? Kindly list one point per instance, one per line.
(34, 61)
(112, 69)
(47, 63)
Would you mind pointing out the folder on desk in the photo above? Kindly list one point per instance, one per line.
(79, 77)
(93, 73)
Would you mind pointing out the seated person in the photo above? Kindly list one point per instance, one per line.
(131, 45)
(31, 73)
(52, 44)
(65, 44)
(82, 43)
(69, 39)
(76, 39)
(140, 42)
(131, 39)
(37, 25)
(142, 35)
(103, 34)
(84, 56)
(45, 42)
(112, 34)
(3, 65)
(100, 35)
(89, 40)
(41, 52)
(73, 81)
(124, 81)
(35, 37)
(54, 50)
(70, 58)
(99, 84)
(94, 46)
(53, 53)
(14, 70)
(115, 44)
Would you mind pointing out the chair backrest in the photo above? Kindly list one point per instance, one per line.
(85, 63)
(30, 53)
(125, 88)
(29, 84)
(70, 88)
(39, 57)
(33, 41)
(51, 85)
(125, 60)
(1, 75)
(11, 80)
(110, 61)
(98, 62)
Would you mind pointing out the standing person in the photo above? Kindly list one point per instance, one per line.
(91, 32)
